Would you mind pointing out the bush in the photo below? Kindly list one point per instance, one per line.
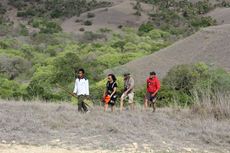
(120, 26)
(27, 13)
(8, 43)
(10, 89)
(5, 29)
(157, 34)
(105, 30)
(40, 85)
(54, 9)
(45, 26)
(90, 15)
(183, 81)
(2, 9)
(82, 29)
(180, 18)
(137, 13)
(203, 22)
(90, 36)
(64, 67)
(23, 30)
(13, 66)
(145, 28)
(88, 23)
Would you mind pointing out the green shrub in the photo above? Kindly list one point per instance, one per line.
(90, 15)
(23, 30)
(145, 28)
(27, 13)
(65, 65)
(10, 89)
(8, 43)
(40, 85)
(45, 26)
(91, 36)
(137, 13)
(203, 22)
(180, 18)
(54, 8)
(183, 81)
(2, 9)
(13, 66)
(82, 29)
(88, 23)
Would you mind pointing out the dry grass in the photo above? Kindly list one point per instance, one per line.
(216, 105)
(60, 125)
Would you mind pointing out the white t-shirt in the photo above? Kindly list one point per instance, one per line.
(81, 87)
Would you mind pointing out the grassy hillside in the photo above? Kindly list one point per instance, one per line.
(55, 8)
(35, 54)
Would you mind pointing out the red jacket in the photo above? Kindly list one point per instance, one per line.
(153, 84)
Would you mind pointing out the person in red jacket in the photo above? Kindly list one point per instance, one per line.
(153, 86)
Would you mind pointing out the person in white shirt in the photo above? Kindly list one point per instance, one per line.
(81, 89)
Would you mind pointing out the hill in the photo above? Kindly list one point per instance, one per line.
(210, 45)
(119, 15)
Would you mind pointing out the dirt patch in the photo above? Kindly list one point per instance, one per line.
(120, 14)
(38, 125)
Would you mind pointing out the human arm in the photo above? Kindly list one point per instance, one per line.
(75, 87)
(87, 87)
(114, 91)
(157, 87)
(131, 86)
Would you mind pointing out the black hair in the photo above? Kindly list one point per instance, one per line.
(81, 70)
(152, 73)
(126, 74)
(113, 77)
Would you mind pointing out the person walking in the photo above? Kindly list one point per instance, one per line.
(153, 86)
(110, 94)
(128, 91)
(81, 89)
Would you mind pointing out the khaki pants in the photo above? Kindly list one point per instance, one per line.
(81, 104)
(130, 96)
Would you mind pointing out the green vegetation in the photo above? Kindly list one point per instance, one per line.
(52, 58)
(138, 8)
(90, 15)
(55, 8)
(31, 67)
(45, 25)
(88, 23)
(184, 83)
(180, 18)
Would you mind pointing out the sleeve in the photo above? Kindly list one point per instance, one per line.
(115, 85)
(131, 83)
(75, 87)
(158, 84)
(87, 87)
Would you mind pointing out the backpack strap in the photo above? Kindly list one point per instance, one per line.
(113, 84)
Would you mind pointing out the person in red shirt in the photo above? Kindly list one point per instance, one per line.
(153, 86)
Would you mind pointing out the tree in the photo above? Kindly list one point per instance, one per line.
(13, 66)
(65, 66)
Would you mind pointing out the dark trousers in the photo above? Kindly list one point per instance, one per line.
(81, 104)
